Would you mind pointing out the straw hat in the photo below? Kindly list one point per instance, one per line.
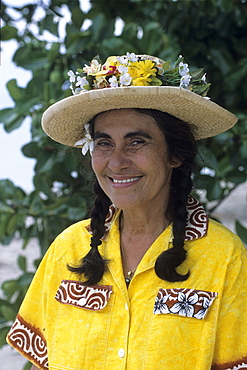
(135, 82)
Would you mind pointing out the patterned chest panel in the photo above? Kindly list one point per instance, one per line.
(89, 297)
(184, 302)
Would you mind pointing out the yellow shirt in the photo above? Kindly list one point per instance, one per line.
(198, 324)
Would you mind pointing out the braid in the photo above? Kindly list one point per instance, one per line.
(182, 145)
(169, 260)
(93, 265)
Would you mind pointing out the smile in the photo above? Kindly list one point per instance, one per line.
(126, 180)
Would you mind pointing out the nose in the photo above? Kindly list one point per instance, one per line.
(118, 161)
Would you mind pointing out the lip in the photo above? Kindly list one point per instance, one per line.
(124, 182)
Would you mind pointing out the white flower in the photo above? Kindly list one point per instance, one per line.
(185, 81)
(82, 82)
(131, 57)
(87, 142)
(71, 76)
(202, 313)
(93, 68)
(122, 69)
(183, 69)
(185, 307)
(77, 91)
(125, 79)
(122, 60)
(113, 81)
(204, 78)
(160, 305)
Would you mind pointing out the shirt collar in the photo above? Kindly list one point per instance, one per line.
(196, 224)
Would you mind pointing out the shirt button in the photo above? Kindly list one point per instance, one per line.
(126, 306)
(82, 301)
(121, 353)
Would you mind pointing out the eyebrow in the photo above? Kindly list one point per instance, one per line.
(99, 135)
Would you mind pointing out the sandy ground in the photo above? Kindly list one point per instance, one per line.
(235, 207)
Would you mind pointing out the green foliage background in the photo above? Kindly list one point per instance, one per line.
(208, 33)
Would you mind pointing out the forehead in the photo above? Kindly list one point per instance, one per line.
(125, 120)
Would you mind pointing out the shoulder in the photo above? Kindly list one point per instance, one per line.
(75, 231)
(218, 243)
(73, 242)
(221, 233)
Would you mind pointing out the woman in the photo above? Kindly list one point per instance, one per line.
(149, 282)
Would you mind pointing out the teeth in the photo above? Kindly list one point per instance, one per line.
(127, 180)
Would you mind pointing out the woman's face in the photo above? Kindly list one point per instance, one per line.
(131, 159)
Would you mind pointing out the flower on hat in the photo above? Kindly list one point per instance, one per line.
(72, 76)
(137, 70)
(113, 81)
(185, 81)
(142, 72)
(131, 57)
(134, 70)
(82, 83)
(125, 79)
(183, 69)
(94, 67)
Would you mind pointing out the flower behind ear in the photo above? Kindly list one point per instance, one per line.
(87, 142)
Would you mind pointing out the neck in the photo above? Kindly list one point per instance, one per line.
(136, 222)
(138, 232)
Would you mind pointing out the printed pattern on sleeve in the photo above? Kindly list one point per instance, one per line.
(240, 364)
(26, 339)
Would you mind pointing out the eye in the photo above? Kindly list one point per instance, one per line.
(137, 142)
(103, 143)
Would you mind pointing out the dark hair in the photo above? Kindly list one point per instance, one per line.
(182, 145)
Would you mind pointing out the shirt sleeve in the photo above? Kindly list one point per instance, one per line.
(231, 335)
(28, 333)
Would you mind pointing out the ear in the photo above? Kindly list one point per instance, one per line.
(175, 162)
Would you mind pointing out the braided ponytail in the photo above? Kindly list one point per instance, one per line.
(169, 260)
(93, 265)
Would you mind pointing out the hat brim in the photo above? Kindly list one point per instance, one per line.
(64, 121)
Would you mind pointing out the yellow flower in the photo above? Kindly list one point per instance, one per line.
(142, 81)
(141, 71)
(145, 67)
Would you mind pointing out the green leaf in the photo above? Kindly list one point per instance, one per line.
(214, 191)
(11, 119)
(15, 91)
(22, 262)
(27, 366)
(3, 333)
(12, 225)
(7, 312)
(241, 231)
(155, 81)
(197, 74)
(43, 182)
(8, 32)
(9, 287)
(25, 279)
(30, 150)
(166, 66)
(5, 114)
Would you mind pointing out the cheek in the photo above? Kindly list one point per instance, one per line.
(95, 162)
(98, 162)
